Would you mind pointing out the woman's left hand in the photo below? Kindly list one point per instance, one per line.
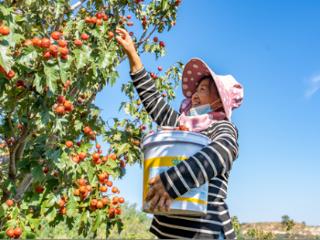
(158, 196)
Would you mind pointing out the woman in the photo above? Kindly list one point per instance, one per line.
(206, 109)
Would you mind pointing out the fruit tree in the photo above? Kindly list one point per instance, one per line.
(55, 56)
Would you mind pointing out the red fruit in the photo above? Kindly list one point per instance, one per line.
(155, 39)
(20, 84)
(111, 212)
(64, 57)
(45, 43)
(99, 15)
(161, 43)
(78, 42)
(89, 188)
(68, 106)
(63, 51)
(103, 188)
(36, 42)
(99, 22)
(87, 130)
(45, 170)
(4, 30)
(117, 211)
(105, 17)
(129, 17)
(27, 42)
(69, 144)
(104, 158)
(115, 200)
(61, 99)
(87, 19)
(76, 192)
(83, 189)
(121, 200)
(82, 156)
(131, 34)
(93, 202)
(122, 164)
(95, 156)
(39, 189)
(105, 200)
(62, 43)
(113, 156)
(129, 24)
(110, 34)
(56, 35)
(10, 233)
(63, 211)
(10, 202)
(109, 183)
(84, 36)
(11, 74)
(114, 190)
(98, 146)
(160, 68)
(17, 232)
(47, 55)
(93, 20)
(177, 3)
(76, 159)
(82, 182)
(61, 203)
(60, 110)
(100, 204)
(53, 49)
(102, 176)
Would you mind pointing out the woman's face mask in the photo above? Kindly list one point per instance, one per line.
(199, 110)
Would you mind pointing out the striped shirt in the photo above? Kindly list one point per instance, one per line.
(211, 164)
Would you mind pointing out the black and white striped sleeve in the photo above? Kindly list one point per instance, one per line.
(160, 111)
(212, 160)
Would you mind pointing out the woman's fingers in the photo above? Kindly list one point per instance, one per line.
(154, 202)
(167, 204)
(150, 194)
(161, 204)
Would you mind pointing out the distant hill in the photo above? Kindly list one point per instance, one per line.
(298, 231)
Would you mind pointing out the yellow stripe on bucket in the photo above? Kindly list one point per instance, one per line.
(165, 161)
(193, 200)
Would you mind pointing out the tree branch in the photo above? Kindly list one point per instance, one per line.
(24, 185)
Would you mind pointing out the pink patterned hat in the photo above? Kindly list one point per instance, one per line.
(230, 91)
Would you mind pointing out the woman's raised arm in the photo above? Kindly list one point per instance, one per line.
(156, 106)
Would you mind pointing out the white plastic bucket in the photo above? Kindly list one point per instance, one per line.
(164, 149)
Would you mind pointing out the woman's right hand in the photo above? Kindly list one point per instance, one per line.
(125, 41)
(128, 46)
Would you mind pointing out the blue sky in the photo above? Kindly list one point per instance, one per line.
(272, 48)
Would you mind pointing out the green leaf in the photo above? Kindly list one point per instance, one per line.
(82, 56)
(5, 60)
(52, 76)
(97, 221)
(123, 148)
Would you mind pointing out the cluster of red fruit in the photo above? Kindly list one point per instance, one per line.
(14, 232)
(182, 128)
(97, 20)
(89, 132)
(62, 205)
(56, 46)
(4, 30)
(63, 106)
(83, 189)
(161, 43)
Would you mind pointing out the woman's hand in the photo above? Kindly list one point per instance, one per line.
(158, 196)
(128, 46)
